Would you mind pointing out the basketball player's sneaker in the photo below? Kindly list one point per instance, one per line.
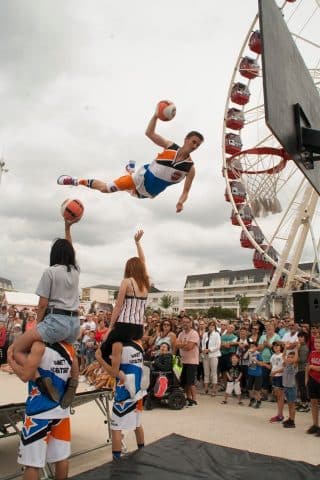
(131, 166)
(130, 384)
(67, 180)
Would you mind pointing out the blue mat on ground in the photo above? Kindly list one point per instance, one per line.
(180, 458)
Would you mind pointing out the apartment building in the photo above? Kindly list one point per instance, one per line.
(226, 287)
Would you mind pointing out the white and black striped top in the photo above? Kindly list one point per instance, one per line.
(133, 309)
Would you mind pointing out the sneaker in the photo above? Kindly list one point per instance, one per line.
(130, 384)
(251, 403)
(193, 402)
(189, 402)
(131, 166)
(289, 423)
(303, 408)
(313, 429)
(258, 404)
(67, 180)
(276, 419)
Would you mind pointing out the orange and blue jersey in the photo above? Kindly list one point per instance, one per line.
(56, 363)
(153, 178)
(132, 365)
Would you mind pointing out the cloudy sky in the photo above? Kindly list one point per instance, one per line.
(79, 82)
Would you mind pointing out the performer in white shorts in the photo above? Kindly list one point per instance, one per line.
(45, 435)
(127, 367)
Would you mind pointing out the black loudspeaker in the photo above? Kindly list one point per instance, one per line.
(306, 305)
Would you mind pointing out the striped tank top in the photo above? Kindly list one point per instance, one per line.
(152, 179)
(133, 309)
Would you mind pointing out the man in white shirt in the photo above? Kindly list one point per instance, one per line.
(290, 339)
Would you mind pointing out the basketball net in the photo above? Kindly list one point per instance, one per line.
(259, 169)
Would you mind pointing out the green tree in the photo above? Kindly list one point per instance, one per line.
(244, 302)
(166, 301)
(220, 312)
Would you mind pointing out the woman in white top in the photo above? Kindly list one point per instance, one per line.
(210, 343)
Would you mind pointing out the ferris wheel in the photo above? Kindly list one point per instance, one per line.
(271, 201)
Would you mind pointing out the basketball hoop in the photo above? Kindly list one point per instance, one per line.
(260, 168)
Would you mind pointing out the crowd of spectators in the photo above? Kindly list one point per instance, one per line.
(246, 357)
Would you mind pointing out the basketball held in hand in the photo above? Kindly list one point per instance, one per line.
(165, 110)
(72, 210)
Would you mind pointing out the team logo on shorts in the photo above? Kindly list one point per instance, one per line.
(176, 176)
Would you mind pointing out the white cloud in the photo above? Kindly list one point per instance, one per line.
(79, 83)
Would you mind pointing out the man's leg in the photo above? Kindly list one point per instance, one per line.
(122, 183)
(139, 433)
(116, 444)
(61, 470)
(315, 411)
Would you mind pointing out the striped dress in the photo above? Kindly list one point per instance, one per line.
(133, 309)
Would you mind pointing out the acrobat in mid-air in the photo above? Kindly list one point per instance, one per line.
(171, 166)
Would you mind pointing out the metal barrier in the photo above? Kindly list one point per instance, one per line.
(12, 415)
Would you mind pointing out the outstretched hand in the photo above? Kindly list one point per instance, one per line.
(179, 207)
(138, 236)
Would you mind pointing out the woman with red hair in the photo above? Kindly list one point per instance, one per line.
(127, 318)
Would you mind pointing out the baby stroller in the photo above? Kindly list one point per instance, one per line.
(164, 386)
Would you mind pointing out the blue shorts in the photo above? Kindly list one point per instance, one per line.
(57, 328)
(277, 382)
(291, 394)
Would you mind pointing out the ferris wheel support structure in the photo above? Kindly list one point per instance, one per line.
(302, 222)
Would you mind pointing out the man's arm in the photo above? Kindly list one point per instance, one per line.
(31, 363)
(186, 188)
(155, 137)
(114, 368)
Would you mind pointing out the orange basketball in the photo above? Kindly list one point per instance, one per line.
(72, 210)
(165, 110)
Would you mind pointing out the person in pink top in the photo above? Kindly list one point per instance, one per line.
(188, 344)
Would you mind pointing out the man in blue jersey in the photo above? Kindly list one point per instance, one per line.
(132, 382)
(45, 435)
(171, 166)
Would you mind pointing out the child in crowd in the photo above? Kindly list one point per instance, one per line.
(303, 353)
(243, 345)
(313, 384)
(233, 380)
(254, 375)
(276, 363)
(290, 362)
(90, 348)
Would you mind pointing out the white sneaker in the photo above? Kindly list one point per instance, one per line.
(130, 384)
(67, 180)
(131, 166)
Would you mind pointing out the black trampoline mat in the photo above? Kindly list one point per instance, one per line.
(180, 458)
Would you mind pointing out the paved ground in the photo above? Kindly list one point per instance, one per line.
(230, 425)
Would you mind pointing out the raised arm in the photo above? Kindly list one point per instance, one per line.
(186, 188)
(155, 137)
(137, 239)
(67, 229)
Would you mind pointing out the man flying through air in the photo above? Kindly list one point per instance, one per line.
(171, 166)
